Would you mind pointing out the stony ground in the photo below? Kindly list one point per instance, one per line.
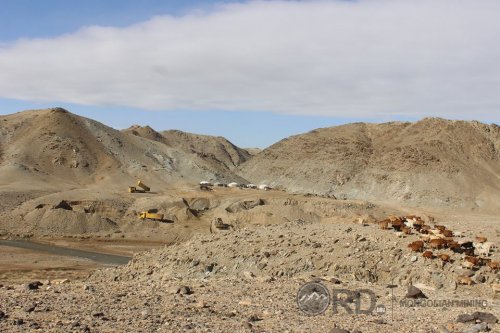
(247, 281)
(347, 251)
(219, 305)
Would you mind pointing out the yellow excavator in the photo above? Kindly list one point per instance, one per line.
(144, 188)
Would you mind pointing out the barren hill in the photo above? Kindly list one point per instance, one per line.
(432, 161)
(216, 151)
(217, 148)
(54, 148)
(53, 144)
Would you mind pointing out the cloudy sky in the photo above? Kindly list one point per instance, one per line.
(253, 71)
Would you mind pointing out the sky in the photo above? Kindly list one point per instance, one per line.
(252, 71)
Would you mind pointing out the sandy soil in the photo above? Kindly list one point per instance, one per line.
(21, 266)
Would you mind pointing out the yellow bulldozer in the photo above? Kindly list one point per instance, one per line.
(143, 188)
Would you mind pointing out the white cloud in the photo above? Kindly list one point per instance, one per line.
(361, 58)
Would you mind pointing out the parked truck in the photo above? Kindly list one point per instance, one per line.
(151, 216)
(143, 188)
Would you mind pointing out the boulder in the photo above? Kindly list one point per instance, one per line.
(33, 285)
(414, 292)
(482, 327)
(485, 317)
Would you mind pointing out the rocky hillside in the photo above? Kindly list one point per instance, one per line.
(247, 281)
(217, 148)
(432, 161)
(53, 148)
(216, 151)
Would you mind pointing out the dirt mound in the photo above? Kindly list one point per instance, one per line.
(300, 249)
(59, 221)
(434, 161)
(55, 217)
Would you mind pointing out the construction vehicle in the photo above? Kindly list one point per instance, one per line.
(218, 225)
(206, 186)
(150, 216)
(144, 188)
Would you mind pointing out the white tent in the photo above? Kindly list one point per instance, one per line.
(264, 187)
(232, 184)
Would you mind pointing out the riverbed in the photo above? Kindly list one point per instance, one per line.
(25, 260)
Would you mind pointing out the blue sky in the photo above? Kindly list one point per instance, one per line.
(254, 72)
(48, 18)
